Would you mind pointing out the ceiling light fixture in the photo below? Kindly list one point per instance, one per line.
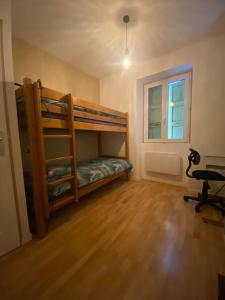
(126, 60)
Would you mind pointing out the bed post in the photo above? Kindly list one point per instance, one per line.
(73, 148)
(127, 144)
(127, 140)
(99, 144)
(41, 146)
(40, 221)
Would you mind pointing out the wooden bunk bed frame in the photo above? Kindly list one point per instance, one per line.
(40, 128)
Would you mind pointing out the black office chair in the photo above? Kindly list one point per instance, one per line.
(204, 197)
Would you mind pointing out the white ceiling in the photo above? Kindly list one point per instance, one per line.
(89, 34)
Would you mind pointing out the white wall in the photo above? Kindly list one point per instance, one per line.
(122, 91)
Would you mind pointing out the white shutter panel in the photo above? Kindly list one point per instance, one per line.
(176, 109)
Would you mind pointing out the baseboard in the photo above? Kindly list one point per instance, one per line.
(176, 183)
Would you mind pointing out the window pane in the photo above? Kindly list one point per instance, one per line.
(154, 112)
(176, 110)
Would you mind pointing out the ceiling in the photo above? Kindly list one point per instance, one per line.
(90, 35)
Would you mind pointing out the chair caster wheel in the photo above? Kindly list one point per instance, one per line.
(197, 209)
(186, 199)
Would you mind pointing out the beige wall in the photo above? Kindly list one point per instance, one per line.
(29, 61)
(121, 91)
(87, 146)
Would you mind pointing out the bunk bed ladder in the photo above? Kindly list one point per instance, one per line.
(69, 99)
(41, 147)
(39, 211)
(52, 206)
(127, 147)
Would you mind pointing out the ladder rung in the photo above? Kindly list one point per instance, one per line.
(52, 160)
(55, 205)
(57, 136)
(57, 181)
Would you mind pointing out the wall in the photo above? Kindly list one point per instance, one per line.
(122, 91)
(29, 61)
(87, 146)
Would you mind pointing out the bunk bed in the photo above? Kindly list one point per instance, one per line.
(55, 182)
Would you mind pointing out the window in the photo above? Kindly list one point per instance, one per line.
(167, 109)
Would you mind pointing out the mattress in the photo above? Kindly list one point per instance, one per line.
(88, 172)
(76, 107)
(48, 114)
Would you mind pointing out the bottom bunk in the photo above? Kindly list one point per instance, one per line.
(91, 174)
(88, 172)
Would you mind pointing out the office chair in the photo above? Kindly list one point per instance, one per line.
(205, 175)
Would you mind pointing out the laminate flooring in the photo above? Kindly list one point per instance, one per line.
(127, 241)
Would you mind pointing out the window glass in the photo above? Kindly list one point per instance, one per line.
(155, 112)
(175, 126)
(167, 109)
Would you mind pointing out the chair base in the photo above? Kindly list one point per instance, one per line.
(211, 200)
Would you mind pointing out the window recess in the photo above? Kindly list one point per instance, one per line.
(167, 109)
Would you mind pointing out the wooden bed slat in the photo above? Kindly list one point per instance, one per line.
(61, 180)
(57, 136)
(55, 95)
(113, 156)
(57, 159)
(98, 127)
(62, 124)
(91, 116)
(98, 107)
(52, 108)
(51, 94)
(54, 123)
(91, 187)
(55, 205)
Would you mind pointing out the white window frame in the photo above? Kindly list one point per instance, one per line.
(164, 125)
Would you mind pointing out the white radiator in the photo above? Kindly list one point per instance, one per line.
(163, 163)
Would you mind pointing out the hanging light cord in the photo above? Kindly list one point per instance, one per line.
(126, 49)
(126, 20)
(126, 61)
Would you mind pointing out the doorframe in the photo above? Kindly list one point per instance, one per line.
(12, 124)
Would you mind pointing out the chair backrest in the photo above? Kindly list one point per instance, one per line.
(194, 157)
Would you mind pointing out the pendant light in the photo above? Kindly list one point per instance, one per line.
(126, 60)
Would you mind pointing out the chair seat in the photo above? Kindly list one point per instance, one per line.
(208, 175)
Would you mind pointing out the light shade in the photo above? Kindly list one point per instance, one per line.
(126, 62)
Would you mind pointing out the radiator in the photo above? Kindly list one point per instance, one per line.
(163, 163)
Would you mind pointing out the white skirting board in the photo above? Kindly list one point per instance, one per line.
(163, 163)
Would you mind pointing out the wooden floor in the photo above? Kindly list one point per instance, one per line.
(127, 241)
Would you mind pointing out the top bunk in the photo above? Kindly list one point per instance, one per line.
(54, 110)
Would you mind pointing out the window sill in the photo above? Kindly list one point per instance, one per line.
(162, 141)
